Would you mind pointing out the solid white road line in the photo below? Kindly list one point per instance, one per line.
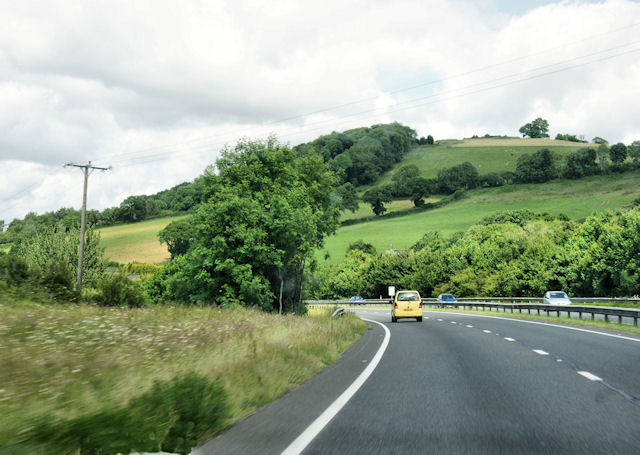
(302, 441)
(540, 351)
(589, 376)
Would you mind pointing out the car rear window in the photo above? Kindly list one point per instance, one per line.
(408, 296)
(447, 296)
(558, 295)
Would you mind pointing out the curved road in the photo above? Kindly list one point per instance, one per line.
(459, 383)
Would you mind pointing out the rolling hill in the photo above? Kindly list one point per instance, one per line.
(575, 198)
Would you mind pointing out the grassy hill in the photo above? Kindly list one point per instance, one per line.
(487, 155)
(136, 241)
(576, 198)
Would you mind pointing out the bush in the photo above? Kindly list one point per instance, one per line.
(172, 416)
(142, 269)
(118, 290)
(58, 279)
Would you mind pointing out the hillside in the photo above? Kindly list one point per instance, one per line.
(576, 198)
(487, 155)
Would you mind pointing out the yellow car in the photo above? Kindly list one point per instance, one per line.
(407, 304)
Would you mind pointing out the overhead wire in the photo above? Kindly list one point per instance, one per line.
(207, 139)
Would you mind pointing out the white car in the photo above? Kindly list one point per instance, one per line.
(556, 298)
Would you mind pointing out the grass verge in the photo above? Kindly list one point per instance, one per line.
(70, 361)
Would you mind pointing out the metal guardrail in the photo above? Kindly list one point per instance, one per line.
(476, 303)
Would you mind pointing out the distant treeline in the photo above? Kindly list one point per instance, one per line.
(179, 199)
(512, 253)
(359, 156)
(539, 167)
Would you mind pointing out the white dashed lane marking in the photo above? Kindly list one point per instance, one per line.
(470, 326)
(487, 331)
(589, 376)
(540, 351)
(509, 339)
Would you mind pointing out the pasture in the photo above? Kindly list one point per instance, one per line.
(575, 198)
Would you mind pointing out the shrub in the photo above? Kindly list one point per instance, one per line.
(142, 269)
(58, 278)
(118, 290)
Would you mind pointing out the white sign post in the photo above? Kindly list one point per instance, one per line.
(392, 291)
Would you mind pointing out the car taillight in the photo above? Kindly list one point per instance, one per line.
(420, 304)
(395, 304)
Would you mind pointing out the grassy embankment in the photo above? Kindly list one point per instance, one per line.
(75, 360)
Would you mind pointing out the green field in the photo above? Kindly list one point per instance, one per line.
(487, 155)
(136, 241)
(575, 198)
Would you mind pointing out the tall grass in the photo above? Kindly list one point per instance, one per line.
(69, 361)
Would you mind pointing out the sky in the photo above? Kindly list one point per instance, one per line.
(156, 89)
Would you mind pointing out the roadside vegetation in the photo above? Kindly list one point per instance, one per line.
(509, 253)
(66, 368)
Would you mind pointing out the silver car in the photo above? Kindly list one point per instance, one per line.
(556, 298)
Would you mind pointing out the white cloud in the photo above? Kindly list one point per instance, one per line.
(156, 88)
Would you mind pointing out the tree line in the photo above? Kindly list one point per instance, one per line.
(511, 253)
(538, 167)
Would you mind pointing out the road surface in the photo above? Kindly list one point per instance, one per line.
(466, 384)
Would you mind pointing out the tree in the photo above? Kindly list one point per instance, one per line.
(634, 151)
(363, 246)
(377, 197)
(618, 153)
(430, 139)
(178, 236)
(419, 188)
(348, 197)
(402, 177)
(599, 140)
(537, 168)
(268, 208)
(581, 163)
(460, 177)
(536, 129)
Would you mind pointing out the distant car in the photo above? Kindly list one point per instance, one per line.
(356, 298)
(556, 298)
(406, 304)
(444, 299)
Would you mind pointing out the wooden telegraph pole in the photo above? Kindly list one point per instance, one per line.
(87, 169)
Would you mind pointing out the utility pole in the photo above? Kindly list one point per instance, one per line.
(87, 169)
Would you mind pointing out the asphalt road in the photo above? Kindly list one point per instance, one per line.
(460, 383)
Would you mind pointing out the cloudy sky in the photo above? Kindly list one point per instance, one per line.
(156, 88)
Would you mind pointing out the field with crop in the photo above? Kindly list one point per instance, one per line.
(67, 361)
(136, 241)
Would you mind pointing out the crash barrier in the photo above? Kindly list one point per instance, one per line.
(482, 304)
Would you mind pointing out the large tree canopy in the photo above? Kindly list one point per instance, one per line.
(538, 128)
(268, 207)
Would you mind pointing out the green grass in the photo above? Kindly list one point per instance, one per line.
(75, 360)
(487, 155)
(575, 198)
(136, 241)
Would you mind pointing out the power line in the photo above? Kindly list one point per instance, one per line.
(409, 104)
(354, 103)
